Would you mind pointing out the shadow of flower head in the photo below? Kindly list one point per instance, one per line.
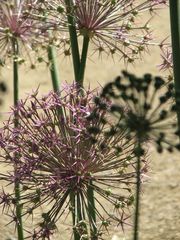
(146, 108)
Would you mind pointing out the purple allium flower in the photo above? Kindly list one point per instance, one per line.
(16, 25)
(57, 160)
(112, 26)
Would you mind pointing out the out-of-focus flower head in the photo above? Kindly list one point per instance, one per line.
(56, 161)
(53, 17)
(150, 109)
(18, 31)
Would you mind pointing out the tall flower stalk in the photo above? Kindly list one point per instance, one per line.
(79, 64)
(83, 59)
(53, 68)
(73, 38)
(174, 6)
(16, 123)
(138, 188)
(17, 31)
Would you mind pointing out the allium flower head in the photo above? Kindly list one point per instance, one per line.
(150, 110)
(52, 16)
(16, 26)
(115, 26)
(56, 160)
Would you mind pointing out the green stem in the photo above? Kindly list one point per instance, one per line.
(90, 190)
(53, 69)
(175, 35)
(91, 210)
(73, 204)
(54, 74)
(73, 39)
(83, 60)
(16, 122)
(15, 81)
(138, 186)
(79, 213)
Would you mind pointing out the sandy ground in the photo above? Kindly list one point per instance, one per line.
(160, 212)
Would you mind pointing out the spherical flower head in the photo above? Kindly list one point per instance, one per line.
(57, 163)
(114, 26)
(52, 16)
(150, 109)
(18, 31)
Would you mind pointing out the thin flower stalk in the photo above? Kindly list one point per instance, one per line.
(84, 56)
(79, 64)
(138, 190)
(16, 31)
(53, 68)
(91, 209)
(90, 190)
(175, 35)
(72, 201)
(73, 39)
(79, 69)
(16, 123)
